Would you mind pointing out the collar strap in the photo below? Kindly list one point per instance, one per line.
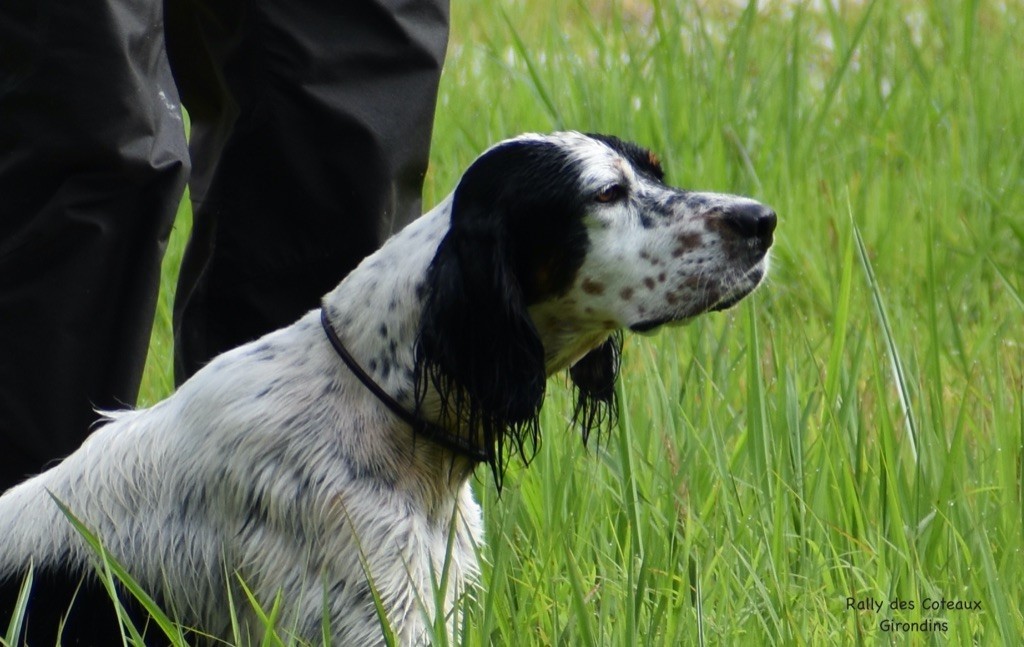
(420, 427)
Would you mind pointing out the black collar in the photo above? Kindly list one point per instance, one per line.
(419, 426)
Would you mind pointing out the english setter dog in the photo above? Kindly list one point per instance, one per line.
(327, 464)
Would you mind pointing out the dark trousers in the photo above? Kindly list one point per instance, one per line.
(310, 131)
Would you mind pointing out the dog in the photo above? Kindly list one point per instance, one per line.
(327, 465)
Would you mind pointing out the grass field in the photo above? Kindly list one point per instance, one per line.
(855, 429)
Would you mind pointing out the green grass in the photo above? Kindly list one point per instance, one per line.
(855, 429)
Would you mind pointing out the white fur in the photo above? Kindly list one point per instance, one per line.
(275, 463)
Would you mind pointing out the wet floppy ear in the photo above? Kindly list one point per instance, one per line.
(515, 237)
(593, 379)
(477, 346)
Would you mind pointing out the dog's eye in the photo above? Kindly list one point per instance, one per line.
(611, 193)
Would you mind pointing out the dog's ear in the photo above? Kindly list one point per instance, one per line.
(516, 237)
(593, 379)
(477, 346)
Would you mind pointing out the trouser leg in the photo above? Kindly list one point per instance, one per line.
(310, 138)
(92, 168)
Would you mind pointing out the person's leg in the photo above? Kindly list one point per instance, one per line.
(311, 124)
(93, 164)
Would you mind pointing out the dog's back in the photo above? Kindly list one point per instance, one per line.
(247, 473)
(133, 485)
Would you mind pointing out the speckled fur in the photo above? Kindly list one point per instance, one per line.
(275, 463)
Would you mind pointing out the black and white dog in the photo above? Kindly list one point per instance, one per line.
(328, 462)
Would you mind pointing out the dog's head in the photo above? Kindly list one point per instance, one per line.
(556, 243)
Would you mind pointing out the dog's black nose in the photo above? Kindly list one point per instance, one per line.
(751, 220)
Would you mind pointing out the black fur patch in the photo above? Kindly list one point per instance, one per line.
(528, 193)
(593, 379)
(643, 160)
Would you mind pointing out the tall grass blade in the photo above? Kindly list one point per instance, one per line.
(14, 628)
(531, 66)
(579, 604)
(378, 601)
(268, 620)
(812, 133)
(169, 628)
(899, 374)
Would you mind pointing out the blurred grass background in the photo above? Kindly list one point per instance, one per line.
(856, 428)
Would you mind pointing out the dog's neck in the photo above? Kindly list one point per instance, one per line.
(376, 312)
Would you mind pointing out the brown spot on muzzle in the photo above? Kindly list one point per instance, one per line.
(686, 242)
(591, 286)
